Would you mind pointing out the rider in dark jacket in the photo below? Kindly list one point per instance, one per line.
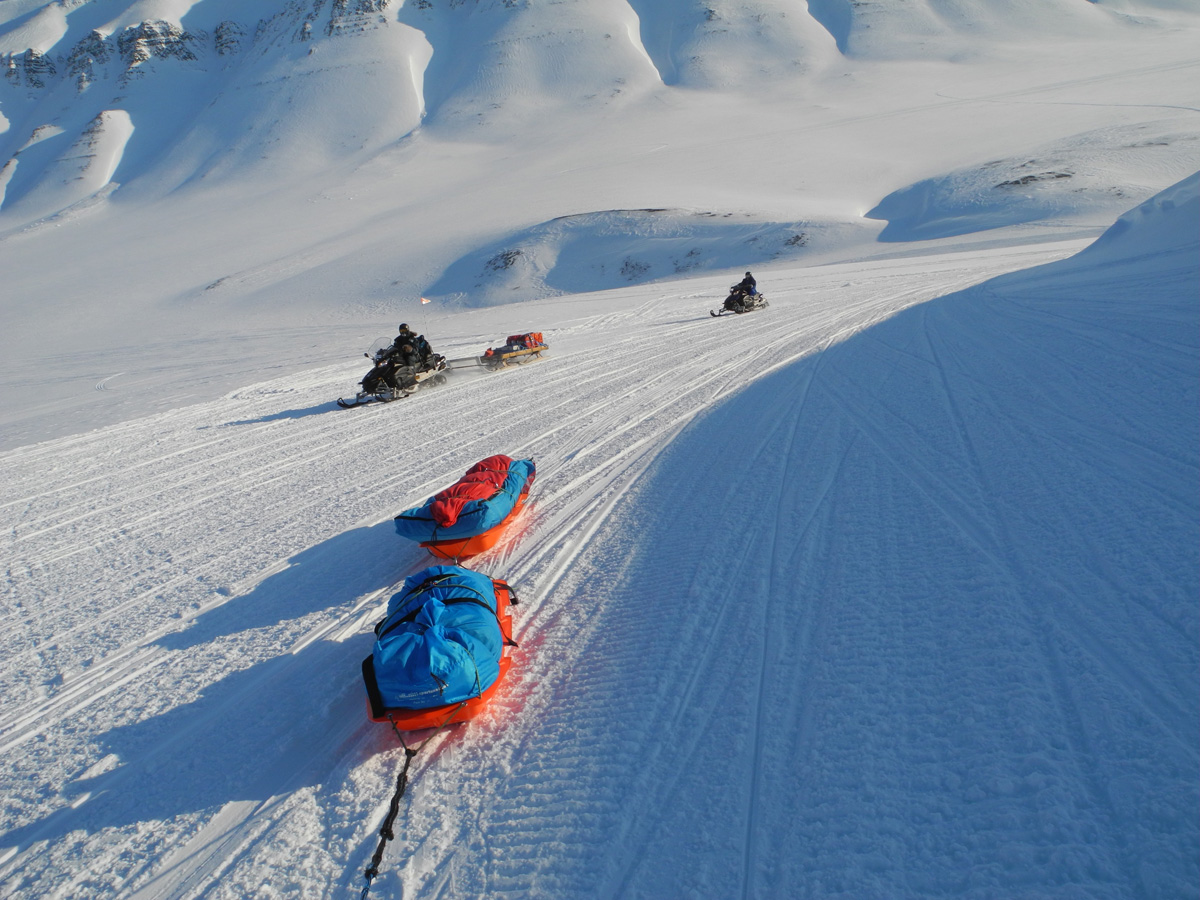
(404, 360)
(419, 344)
(740, 293)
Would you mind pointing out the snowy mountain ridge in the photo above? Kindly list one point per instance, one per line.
(120, 67)
(72, 66)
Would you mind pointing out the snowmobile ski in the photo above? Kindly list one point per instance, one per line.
(364, 398)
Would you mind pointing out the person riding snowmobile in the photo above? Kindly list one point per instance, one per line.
(403, 363)
(747, 285)
(418, 342)
(740, 292)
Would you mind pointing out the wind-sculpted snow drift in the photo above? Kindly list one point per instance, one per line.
(1094, 173)
(925, 29)
(620, 247)
(1164, 226)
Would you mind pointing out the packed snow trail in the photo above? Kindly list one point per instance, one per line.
(913, 617)
(755, 644)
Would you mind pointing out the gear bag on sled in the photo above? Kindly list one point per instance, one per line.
(440, 649)
(467, 517)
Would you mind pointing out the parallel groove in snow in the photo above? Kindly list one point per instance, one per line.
(271, 541)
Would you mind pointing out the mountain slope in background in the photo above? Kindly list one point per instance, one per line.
(196, 190)
(215, 92)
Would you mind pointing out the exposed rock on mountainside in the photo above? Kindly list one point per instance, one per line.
(141, 42)
(355, 15)
(84, 63)
(153, 40)
(228, 37)
(87, 56)
(171, 78)
(29, 69)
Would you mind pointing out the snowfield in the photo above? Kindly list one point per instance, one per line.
(914, 611)
(887, 590)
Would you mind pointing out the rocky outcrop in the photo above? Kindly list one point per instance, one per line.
(114, 70)
(348, 16)
(228, 37)
(153, 40)
(87, 57)
(343, 8)
(86, 63)
(134, 46)
(29, 69)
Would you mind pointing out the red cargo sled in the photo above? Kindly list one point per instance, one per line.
(517, 349)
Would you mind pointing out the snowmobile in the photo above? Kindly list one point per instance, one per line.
(377, 383)
(740, 302)
(517, 349)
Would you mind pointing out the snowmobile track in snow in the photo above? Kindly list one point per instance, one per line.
(175, 571)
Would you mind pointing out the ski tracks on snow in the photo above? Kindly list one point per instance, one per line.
(195, 590)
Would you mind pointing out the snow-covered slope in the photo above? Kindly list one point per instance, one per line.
(212, 89)
(1089, 171)
(812, 606)
(887, 590)
(210, 173)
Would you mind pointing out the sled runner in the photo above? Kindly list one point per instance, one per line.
(517, 349)
(442, 649)
(469, 517)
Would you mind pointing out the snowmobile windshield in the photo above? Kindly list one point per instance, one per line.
(381, 344)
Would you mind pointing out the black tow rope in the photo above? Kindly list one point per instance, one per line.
(385, 832)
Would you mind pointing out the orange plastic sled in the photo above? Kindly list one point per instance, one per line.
(464, 547)
(437, 716)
